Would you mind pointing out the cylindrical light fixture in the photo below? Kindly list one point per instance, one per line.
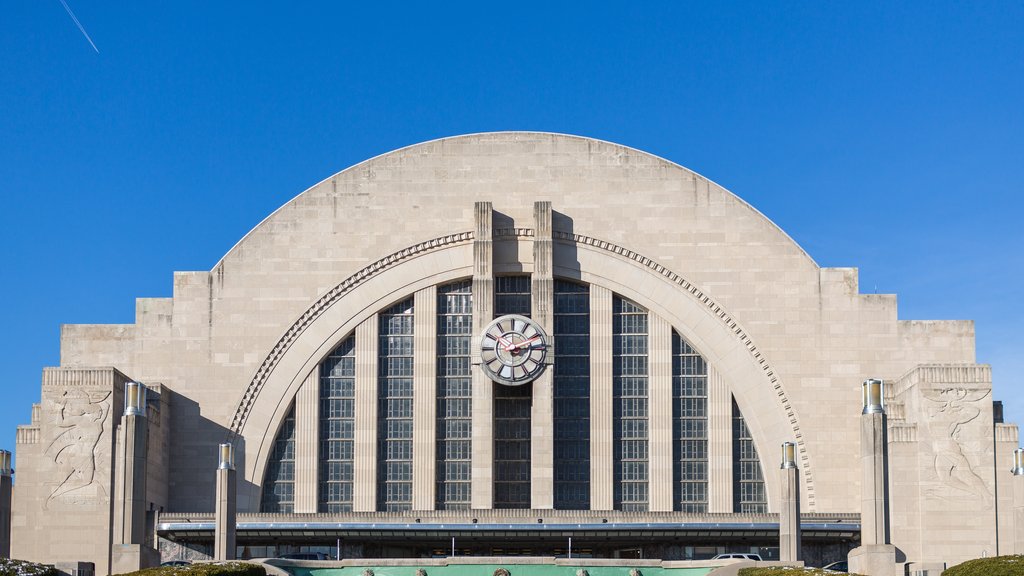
(788, 455)
(873, 396)
(226, 460)
(1018, 462)
(134, 399)
(5, 463)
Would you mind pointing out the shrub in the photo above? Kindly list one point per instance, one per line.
(785, 571)
(9, 567)
(995, 566)
(205, 569)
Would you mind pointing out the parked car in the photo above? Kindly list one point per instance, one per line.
(738, 556)
(176, 563)
(840, 566)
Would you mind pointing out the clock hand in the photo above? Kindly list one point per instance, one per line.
(523, 343)
(505, 343)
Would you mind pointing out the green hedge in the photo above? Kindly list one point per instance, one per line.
(783, 571)
(10, 567)
(205, 569)
(995, 566)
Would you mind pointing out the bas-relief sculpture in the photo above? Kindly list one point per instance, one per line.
(950, 411)
(78, 420)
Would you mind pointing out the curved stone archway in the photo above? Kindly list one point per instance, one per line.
(693, 313)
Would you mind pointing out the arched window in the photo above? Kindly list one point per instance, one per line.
(630, 393)
(572, 396)
(279, 480)
(748, 479)
(689, 427)
(395, 403)
(454, 395)
(337, 428)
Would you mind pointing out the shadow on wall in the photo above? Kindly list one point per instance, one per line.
(566, 254)
(194, 456)
(506, 244)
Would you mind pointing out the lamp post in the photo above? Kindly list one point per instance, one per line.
(789, 513)
(225, 513)
(1018, 500)
(131, 481)
(5, 503)
(876, 556)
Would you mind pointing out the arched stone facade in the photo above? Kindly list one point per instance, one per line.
(757, 389)
(236, 349)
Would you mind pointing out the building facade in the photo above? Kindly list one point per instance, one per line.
(492, 343)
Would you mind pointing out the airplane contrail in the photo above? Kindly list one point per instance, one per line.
(80, 27)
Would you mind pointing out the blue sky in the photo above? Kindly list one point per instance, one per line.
(885, 136)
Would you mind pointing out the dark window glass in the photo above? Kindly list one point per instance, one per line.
(572, 396)
(748, 480)
(395, 405)
(689, 428)
(279, 479)
(512, 295)
(337, 428)
(454, 398)
(512, 409)
(629, 373)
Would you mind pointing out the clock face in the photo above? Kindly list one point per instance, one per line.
(513, 349)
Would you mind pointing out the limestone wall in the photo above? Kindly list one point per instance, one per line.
(62, 505)
(792, 340)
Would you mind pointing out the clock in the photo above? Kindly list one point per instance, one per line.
(513, 350)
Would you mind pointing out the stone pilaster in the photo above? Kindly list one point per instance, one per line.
(1017, 488)
(875, 556)
(424, 392)
(307, 443)
(364, 497)
(720, 458)
(602, 482)
(1018, 514)
(542, 438)
(789, 514)
(130, 502)
(659, 435)
(225, 515)
(483, 388)
(5, 504)
(1007, 440)
(874, 491)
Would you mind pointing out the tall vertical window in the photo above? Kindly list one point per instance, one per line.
(512, 295)
(337, 428)
(394, 388)
(629, 365)
(279, 480)
(512, 410)
(748, 481)
(572, 396)
(690, 427)
(454, 395)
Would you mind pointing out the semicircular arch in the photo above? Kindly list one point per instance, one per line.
(696, 316)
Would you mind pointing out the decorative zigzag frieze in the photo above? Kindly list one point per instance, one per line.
(321, 305)
(729, 322)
